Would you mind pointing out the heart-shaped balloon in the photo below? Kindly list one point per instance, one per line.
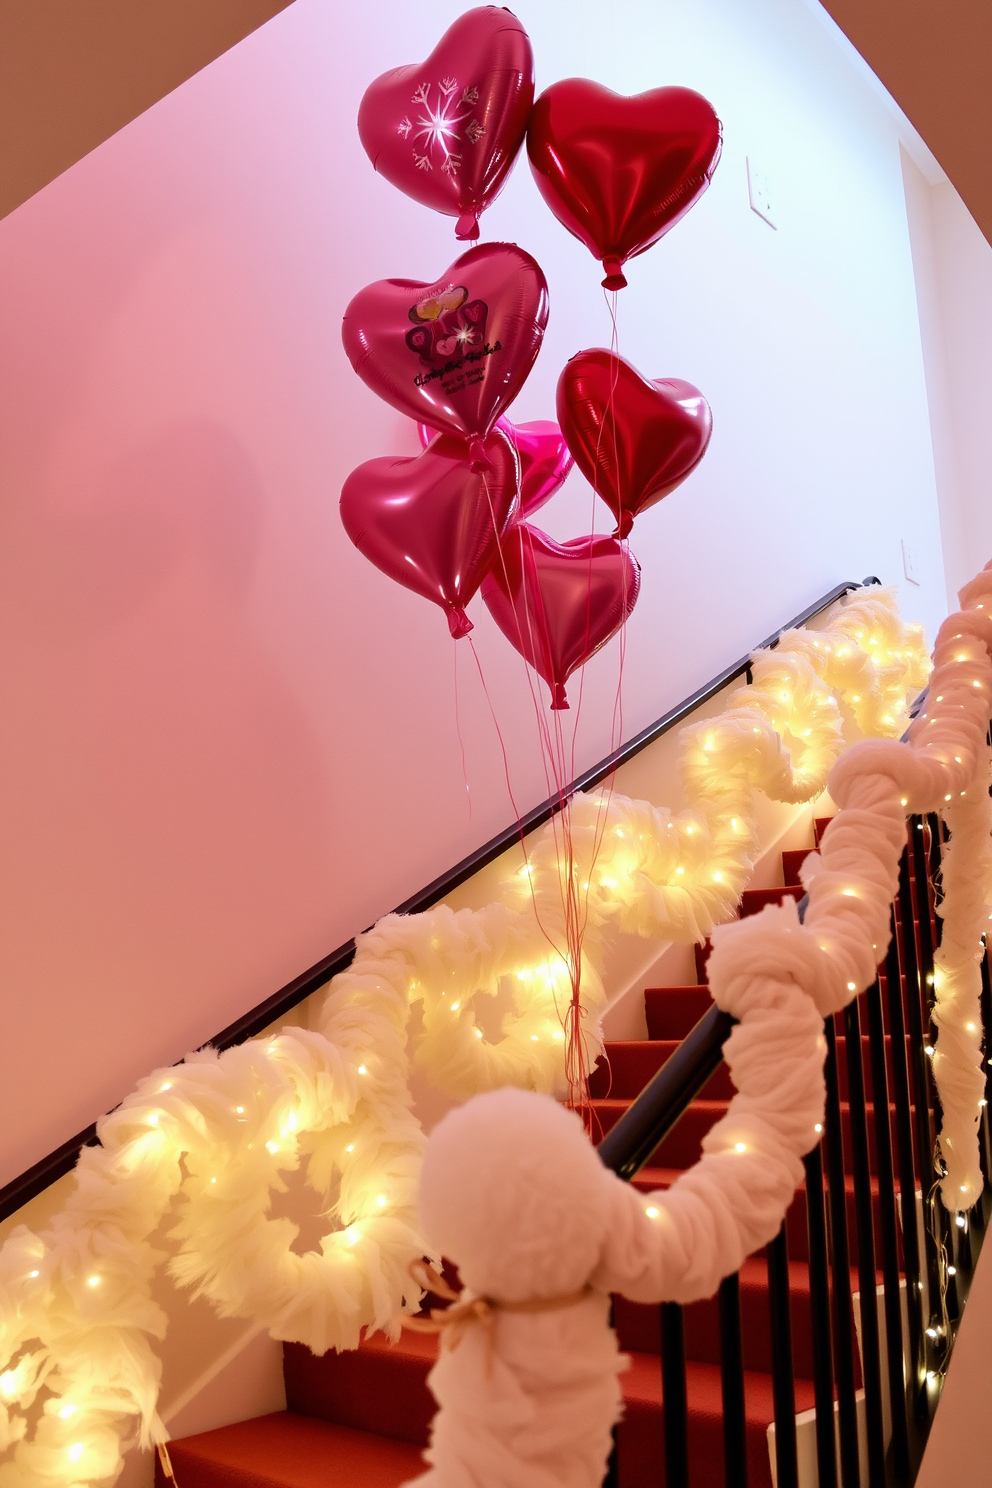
(545, 459)
(431, 523)
(558, 603)
(447, 130)
(619, 172)
(455, 353)
(633, 440)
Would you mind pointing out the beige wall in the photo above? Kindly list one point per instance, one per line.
(73, 72)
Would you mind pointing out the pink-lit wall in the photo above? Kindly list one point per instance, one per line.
(226, 742)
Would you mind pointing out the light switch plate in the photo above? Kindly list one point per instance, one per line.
(760, 193)
(910, 566)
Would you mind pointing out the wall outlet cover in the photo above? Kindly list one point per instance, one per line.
(910, 565)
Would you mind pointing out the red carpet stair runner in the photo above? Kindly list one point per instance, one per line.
(359, 1420)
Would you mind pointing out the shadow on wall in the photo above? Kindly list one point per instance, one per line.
(188, 491)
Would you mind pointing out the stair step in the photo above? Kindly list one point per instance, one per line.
(333, 1385)
(792, 860)
(288, 1450)
(653, 1179)
(753, 901)
(625, 1068)
(640, 1438)
(673, 1012)
(639, 1329)
(682, 1146)
(378, 1387)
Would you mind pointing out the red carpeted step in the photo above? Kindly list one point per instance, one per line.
(640, 1437)
(681, 1148)
(820, 825)
(287, 1450)
(626, 1068)
(672, 1012)
(701, 954)
(638, 1327)
(378, 1387)
(753, 901)
(792, 860)
(653, 1179)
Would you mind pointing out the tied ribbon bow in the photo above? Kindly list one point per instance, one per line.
(453, 1322)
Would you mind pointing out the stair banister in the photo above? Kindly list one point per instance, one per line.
(34, 1180)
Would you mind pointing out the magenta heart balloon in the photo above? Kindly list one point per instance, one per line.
(431, 523)
(447, 130)
(545, 459)
(455, 353)
(558, 603)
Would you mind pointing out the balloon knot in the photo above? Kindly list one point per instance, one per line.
(624, 523)
(614, 274)
(559, 702)
(458, 623)
(481, 462)
(467, 228)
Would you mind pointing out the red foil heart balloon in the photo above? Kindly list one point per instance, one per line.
(432, 524)
(545, 459)
(558, 603)
(633, 440)
(619, 172)
(455, 353)
(446, 131)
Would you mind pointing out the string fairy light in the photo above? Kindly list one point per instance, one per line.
(245, 1112)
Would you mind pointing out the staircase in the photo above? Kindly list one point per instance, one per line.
(361, 1419)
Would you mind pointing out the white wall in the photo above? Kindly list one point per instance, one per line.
(953, 265)
(227, 741)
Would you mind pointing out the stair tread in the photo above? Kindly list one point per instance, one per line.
(292, 1451)
(642, 1387)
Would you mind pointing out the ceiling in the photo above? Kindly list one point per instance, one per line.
(73, 72)
(935, 58)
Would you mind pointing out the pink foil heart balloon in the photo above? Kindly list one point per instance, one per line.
(545, 459)
(558, 603)
(633, 440)
(447, 130)
(455, 353)
(432, 524)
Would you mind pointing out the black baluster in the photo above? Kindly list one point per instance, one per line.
(871, 1368)
(920, 897)
(850, 1472)
(921, 1079)
(783, 1377)
(888, 1235)
(819, 1298)
(907, 1174)
(675, 1399)
(732, 1383)
(612, 1478)
(987, 1044)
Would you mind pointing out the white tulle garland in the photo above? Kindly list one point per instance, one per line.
(75, 1311)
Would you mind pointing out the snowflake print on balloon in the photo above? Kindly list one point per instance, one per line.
(437, 130)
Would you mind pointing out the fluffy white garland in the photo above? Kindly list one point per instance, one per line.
(75, 1310)
(528, 1402)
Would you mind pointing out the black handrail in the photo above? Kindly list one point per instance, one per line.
(56, 1164)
